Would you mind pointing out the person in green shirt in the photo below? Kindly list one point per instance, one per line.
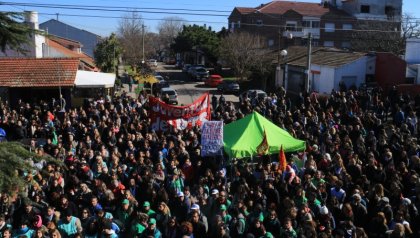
(139, 225)
(225, 215)
(148, 210)
(123, 214)
(300, 198)
(318, 178)
(287, 230)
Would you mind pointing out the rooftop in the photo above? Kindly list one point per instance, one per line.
(38, 72)
(328, 57)
(281, 7)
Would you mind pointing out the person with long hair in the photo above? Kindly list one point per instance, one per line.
(162, 215)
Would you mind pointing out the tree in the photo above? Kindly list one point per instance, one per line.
(107, 53)
(14, 34)
(168, 29)
(199, 38)
(245, 52)
(15, 162)
(386, 36)
(130, 33)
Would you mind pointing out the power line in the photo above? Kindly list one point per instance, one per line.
(213, 22)
(122, 9)
(131, 18)
(165, 10)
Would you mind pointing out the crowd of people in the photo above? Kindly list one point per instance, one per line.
(358, 177)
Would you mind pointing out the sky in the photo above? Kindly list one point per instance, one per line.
(104, 26)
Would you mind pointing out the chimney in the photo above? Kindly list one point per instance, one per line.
(31, 18)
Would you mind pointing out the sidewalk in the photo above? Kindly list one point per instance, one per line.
(125, 88)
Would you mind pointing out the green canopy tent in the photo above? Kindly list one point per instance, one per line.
(242, 137)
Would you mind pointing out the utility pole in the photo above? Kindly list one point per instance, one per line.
(308, 63)
(142, 33)
(57, 15)
(279, 54)
(60, 96)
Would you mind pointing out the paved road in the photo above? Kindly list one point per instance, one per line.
(187, 89)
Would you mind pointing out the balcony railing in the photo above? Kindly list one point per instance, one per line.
(301, 32)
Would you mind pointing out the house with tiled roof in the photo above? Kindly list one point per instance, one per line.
(58, 47)
(331, 22)
(34, 79)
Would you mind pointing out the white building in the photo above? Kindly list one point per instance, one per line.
(329, 69)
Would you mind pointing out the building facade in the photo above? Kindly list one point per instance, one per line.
(332, 23)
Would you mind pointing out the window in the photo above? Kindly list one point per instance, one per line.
(389, 11)
(346, 45)
(306, 24)
(270, 42)
(310, 24)
(328, 43)
(291, 26)
(259, 22)
(347, 26)
(365, 9)
(329, 27)
(239, 24)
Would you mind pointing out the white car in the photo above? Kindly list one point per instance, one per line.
(152, 62)
(172, 94)
(251, 94)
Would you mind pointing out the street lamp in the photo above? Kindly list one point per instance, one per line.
(284, 53)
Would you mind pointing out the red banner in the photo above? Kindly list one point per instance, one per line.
(165, 116)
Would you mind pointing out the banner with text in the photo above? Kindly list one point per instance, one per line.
(164, 116)
(212, 138)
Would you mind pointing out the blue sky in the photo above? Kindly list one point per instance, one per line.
(104, 26)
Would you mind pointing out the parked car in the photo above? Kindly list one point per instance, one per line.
(253, 93)
(193, 66)
(185, 68)
(228, 86)
(152, 62)
(159, 77)
(213, 80)
(172, 95)
(199, 73)
(160, 85)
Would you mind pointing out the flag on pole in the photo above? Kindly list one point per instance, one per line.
(282, 160)
(262, 148)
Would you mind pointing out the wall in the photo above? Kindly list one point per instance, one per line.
(377, 8)
(390, 70)
(326, 78)
(412, 51)
(356, 68)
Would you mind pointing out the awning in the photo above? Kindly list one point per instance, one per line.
(88, 79)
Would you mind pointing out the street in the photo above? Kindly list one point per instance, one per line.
(188, 90)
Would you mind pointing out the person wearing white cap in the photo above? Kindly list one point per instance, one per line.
(325, 218)
(359, 211)
(182, 207)
(214, 197)
(202, 217)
